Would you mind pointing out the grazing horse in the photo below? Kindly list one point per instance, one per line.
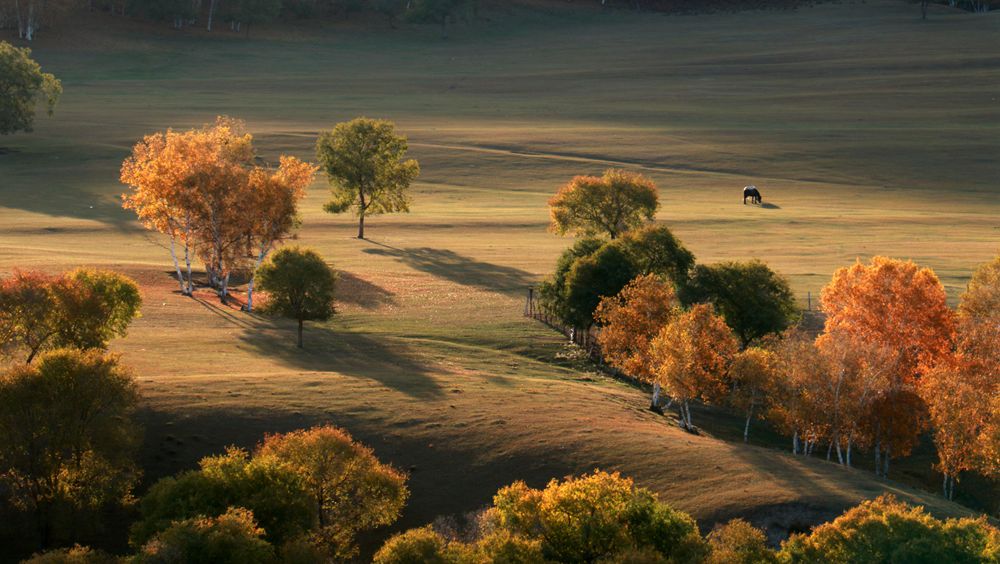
(751, 192)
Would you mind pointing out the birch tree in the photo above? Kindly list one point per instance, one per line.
(899, 306)
(629, 321)
(691, 355)
(752, 374)
(272, 208)
(364, 161)
(23, 87)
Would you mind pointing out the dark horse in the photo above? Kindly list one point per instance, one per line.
(751, 192)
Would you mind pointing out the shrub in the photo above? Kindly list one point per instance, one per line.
(231, 538)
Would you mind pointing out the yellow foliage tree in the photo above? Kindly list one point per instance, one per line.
(613, 203)
(690, 357)
(752, 374)
(629, 321)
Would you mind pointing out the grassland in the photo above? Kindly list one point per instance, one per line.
(867, 130)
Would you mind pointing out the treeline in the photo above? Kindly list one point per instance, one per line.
(892, 362)
(28, 16)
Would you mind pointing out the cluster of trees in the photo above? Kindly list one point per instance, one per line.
(302, 496)
(23, 87)
(65, 403)
(602, 517)
(204, 190)
(892, 362)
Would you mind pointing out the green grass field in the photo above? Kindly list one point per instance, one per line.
(867, 130)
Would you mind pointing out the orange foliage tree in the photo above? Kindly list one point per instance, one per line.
(751, 375)
(899, 306)
(794, 397)
(690, 356)
(629, 321)
(202, 189)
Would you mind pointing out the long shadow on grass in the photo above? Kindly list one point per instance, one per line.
(354, 290)
(457, 268)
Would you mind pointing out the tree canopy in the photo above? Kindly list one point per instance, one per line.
(610, 204)
(68, 435)
(300, 286)
(23, 86)
(364, 161)
(754, 300)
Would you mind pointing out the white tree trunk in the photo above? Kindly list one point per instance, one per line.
(253, 275)
(655, 401)
(177, 264)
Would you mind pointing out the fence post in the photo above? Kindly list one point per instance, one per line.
(809, 301)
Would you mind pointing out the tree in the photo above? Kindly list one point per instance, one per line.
(739, 542)
(202, 189)
(68, 435)
(416, 546)
(81, 309)
(300, 286)
(351, 490)
(604, 273)
(629, 321)
(272, 208)
(596, 516)
(552, 291)
(884, 531)
(23, 86)
(898, 306)
(855, 381)
(231, 538)
(752, 374)
(655, 250)
(363, 159)
(958, 392)
(611, 204)
(74, 555)
(754, 300)
(691, 355)
(275, 493)
(794, 398)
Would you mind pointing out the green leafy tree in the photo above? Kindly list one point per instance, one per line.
(363, 159)
(230, 538)
(552, 291)
(419, 546)
(23, 86)
(300, 286)
(754, 300)
(885, 530)
(276, 495)
(655, 250)
(611, 204)
(68, 435)
(351, 490)
(593, 277)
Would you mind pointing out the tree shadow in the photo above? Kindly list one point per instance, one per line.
(770, 206)
(457, 268)
(385, 360)
(354, 290)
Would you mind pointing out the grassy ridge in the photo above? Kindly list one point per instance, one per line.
(868, 132)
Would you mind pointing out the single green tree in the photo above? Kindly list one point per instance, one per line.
(300, 286)
(754, 300)
(363, 160)
(23, 86)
